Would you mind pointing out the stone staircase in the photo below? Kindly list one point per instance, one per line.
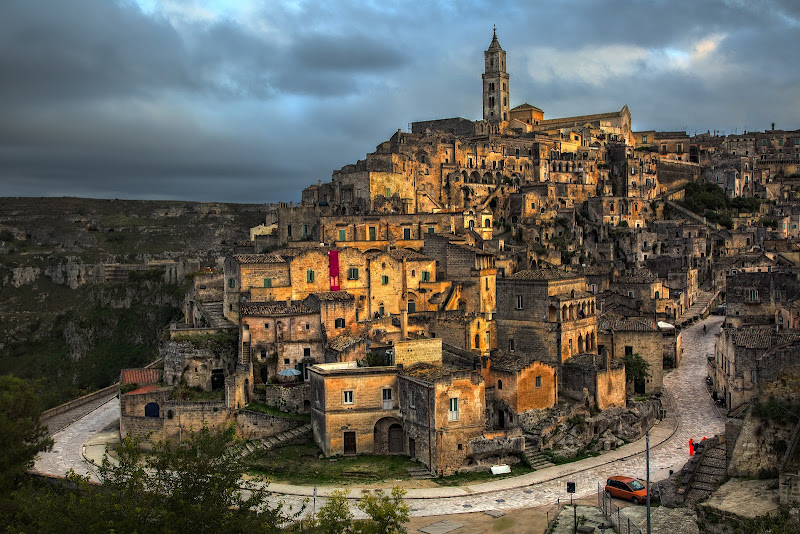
(419, 472)
(213, 312)
(696, 309)
(710, 472)
(535, 457)
(260, 446)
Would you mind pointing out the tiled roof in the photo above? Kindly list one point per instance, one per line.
(543, 274)
(273, 309)
(409, 255)
(259, 258)
(512, 362)
(470, 248)
(429, 371)
(762, 338)
(144, 389)
(140, 376)
(621, 323)
(343, 342)
(576, 295)
(336, 296)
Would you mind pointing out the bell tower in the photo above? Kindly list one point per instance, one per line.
(495, 82)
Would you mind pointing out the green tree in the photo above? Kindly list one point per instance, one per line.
(335, 517)
(193, 485)
(22, 435)
(636, 367)
(387, 512)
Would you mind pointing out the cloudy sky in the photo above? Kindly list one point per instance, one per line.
(252, 100)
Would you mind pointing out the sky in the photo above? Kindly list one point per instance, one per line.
(251, 101)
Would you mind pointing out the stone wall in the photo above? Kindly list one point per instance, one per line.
(409, 352)
(256, 425)
(290, 399)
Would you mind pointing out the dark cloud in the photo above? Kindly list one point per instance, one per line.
(101, 98)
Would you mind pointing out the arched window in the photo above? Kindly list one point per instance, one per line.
(499, 384)
(151, 409)
(412, 306)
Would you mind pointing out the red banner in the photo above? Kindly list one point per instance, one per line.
(333, 264)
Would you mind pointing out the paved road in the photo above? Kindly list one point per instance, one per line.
(691, 410)
(67, 452)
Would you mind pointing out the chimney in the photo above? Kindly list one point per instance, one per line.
(404, 325)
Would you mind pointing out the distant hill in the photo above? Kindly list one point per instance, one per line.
(72, 335)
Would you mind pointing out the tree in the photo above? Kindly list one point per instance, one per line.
(636, 367)
(187, 488)
(387, 513)
(22, 435)
(335, 517)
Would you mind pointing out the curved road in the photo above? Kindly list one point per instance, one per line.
(690, 413)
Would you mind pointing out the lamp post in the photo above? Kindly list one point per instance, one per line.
(647, 466)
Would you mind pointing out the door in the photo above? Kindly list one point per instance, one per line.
(349, 442)
(501, 419)
(412, 448)
(639, 386)
(395, 438)
(217, 379)
(387, 399)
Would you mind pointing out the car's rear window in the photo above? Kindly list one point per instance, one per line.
(636, 485)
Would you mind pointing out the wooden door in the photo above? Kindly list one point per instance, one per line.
(349, 442)
(395, 438)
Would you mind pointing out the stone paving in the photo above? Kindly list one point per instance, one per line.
(691, 414)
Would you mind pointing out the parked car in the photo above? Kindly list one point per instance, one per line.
(626, 488)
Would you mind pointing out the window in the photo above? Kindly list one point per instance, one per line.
(288, 230)
(267, 282)
(431, 229)
(752, 295)
(454, 409)
(511, 345)
(352, 273)
(308, 326)
(753, 376)
(680, 147)
(304, 230)
(644, 139)
(387, 399)
(266, 326)
(339, 323)
(426, 276)
(538, 381)
(412, 401)
(309, 276)
(384, 280)
(371, 231)
(413, 273)
(318, 402)
(412, 306)
(406, 233)
(388, 192)
(499, 384)
(519, 302)
(347, 397)
(286, 361)
(628, 350)
(306, 352)
(231, 282)
(342, 235)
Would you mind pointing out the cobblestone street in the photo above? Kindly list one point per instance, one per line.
(690, 414)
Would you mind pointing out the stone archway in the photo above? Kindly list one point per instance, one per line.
(388, 436)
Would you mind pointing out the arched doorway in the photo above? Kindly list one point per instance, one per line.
(151, 409)
(388, 436)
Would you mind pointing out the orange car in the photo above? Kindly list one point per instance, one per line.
(626, 488)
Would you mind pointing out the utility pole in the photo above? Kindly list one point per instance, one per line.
(647, 465)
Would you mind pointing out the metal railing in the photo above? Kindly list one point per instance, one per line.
(614, 513)
(553, 511)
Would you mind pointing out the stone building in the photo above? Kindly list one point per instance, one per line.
(545, 308)
(516, 384)
(620, 336)
(596, 380)
(737, 361)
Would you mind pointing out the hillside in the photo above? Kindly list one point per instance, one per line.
(73, 335)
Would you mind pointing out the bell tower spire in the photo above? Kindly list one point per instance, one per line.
(495, 82)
